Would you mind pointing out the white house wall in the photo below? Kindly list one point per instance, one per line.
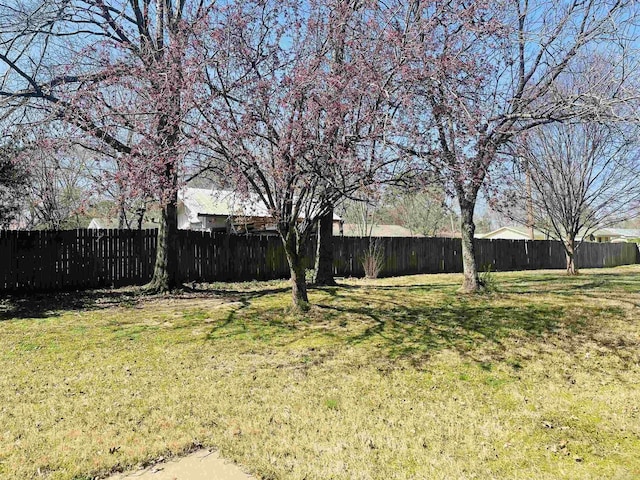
(183, 219)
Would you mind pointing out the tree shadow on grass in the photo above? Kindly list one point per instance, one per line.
(479, 327)
(427, 287)
(399, 326)
(620, 288)
(595, 282)
(235, 295)
(263, 325)
(417, 332)
(45, 305)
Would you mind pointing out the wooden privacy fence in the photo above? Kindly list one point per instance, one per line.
(78, 259)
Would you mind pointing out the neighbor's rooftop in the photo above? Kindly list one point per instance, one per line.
(209, 201)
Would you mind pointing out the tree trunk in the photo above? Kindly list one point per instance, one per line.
(296, 267)
(122, 218)
(470, 269)
(570, 254)
(140, 213)
(165, 272)
(323, 274)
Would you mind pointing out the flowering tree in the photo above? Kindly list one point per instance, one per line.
(479, 73)
(292, 121)
(121, 72)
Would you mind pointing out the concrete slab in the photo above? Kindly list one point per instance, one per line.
(201, 465)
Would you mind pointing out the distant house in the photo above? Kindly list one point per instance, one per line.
(221, 210)
(355, 230)
(513, 233)
(218, 210)
(617, 235)
(205, 209)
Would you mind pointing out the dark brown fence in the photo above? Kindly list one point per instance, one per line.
(405, 256)
(77, 259)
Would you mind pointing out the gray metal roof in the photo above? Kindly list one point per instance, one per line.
(207, 201)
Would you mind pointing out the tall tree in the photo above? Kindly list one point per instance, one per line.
(424, 211)
(583, 176)
(122, 73)
(323, 271)
(480, 73)
(59, 188)
(292, 123)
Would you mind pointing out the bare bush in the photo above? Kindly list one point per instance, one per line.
(373, 259)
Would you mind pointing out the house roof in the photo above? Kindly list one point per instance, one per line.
(355, 230)
(227, 203)
(614, 233)
(205, 201)
(514, 231)
(619, 232)
(106, 223)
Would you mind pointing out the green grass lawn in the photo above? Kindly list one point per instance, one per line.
(397, 378)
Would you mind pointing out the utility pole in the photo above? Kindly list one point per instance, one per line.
(529, 201)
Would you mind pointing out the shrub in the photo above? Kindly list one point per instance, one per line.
(373, 259)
